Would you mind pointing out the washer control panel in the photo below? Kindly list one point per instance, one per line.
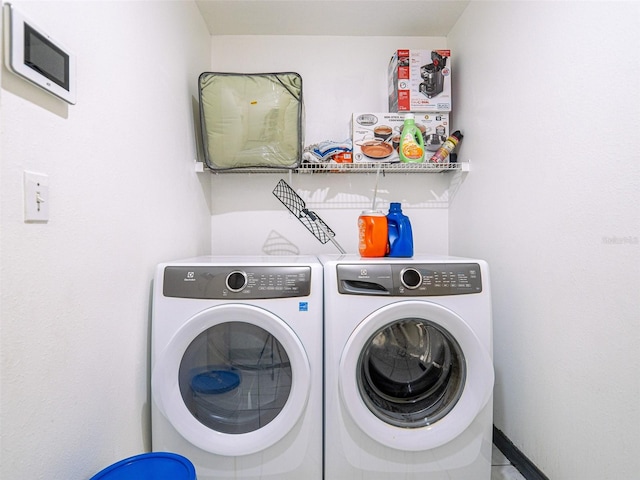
(420, 280)
(246, 282)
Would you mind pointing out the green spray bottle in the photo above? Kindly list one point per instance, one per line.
(411, 147)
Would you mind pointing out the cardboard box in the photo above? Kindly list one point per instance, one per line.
(376, 136)
(420, 81)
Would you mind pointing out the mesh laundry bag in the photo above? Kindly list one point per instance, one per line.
(251, 120)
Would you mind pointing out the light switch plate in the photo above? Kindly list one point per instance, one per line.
(36, 197)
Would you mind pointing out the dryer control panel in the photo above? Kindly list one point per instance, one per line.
(246, 282)
(413, 280)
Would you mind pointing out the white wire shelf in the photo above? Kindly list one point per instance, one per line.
(370, 167)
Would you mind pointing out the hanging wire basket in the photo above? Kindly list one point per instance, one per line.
(308, 218)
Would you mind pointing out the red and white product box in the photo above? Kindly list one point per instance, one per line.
(420, 81)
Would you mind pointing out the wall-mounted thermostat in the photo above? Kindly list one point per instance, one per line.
(35, 56)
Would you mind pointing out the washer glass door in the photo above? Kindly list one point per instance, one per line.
(235, 377)
(233, 380)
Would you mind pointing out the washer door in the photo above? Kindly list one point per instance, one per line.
(413, 375)
(233, 380)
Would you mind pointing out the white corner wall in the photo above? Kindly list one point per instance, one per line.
(75, 292)
(549, 101)
(341, 75)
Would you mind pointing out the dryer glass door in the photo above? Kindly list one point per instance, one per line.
(411, 373)
(414, 375)
(235, 377)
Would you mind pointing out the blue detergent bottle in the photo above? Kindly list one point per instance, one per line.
(400, 233)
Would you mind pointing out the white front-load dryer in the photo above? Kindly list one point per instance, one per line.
(408, 368)
(236, 375)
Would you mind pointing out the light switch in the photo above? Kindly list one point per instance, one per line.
(36, 197)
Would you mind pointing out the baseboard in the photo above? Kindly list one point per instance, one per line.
(516, 457)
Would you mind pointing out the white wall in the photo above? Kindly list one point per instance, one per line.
(550, 104)
(341, 75)
(74, 303)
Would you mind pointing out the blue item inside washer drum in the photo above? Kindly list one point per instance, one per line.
(214, 382)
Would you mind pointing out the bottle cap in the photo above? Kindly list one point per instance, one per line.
(409, 116)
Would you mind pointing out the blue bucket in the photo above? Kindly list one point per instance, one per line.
(150, 466)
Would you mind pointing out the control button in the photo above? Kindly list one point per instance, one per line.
(411, 278)
(236, 281)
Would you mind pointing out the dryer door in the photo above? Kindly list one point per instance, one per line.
(413, 375)
(233, 380)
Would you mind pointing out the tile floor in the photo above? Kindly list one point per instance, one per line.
(501, 467)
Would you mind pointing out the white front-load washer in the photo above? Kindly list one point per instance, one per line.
(236, 375)
(408, 368)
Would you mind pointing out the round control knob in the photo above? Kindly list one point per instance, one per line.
(236, 281)
(411, 278)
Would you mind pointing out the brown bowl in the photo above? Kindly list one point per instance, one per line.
(376, 149)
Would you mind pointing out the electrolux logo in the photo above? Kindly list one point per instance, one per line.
(190, 277)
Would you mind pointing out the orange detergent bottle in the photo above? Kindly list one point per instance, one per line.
(373, 235)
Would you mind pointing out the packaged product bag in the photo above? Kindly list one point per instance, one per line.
(251, 120)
